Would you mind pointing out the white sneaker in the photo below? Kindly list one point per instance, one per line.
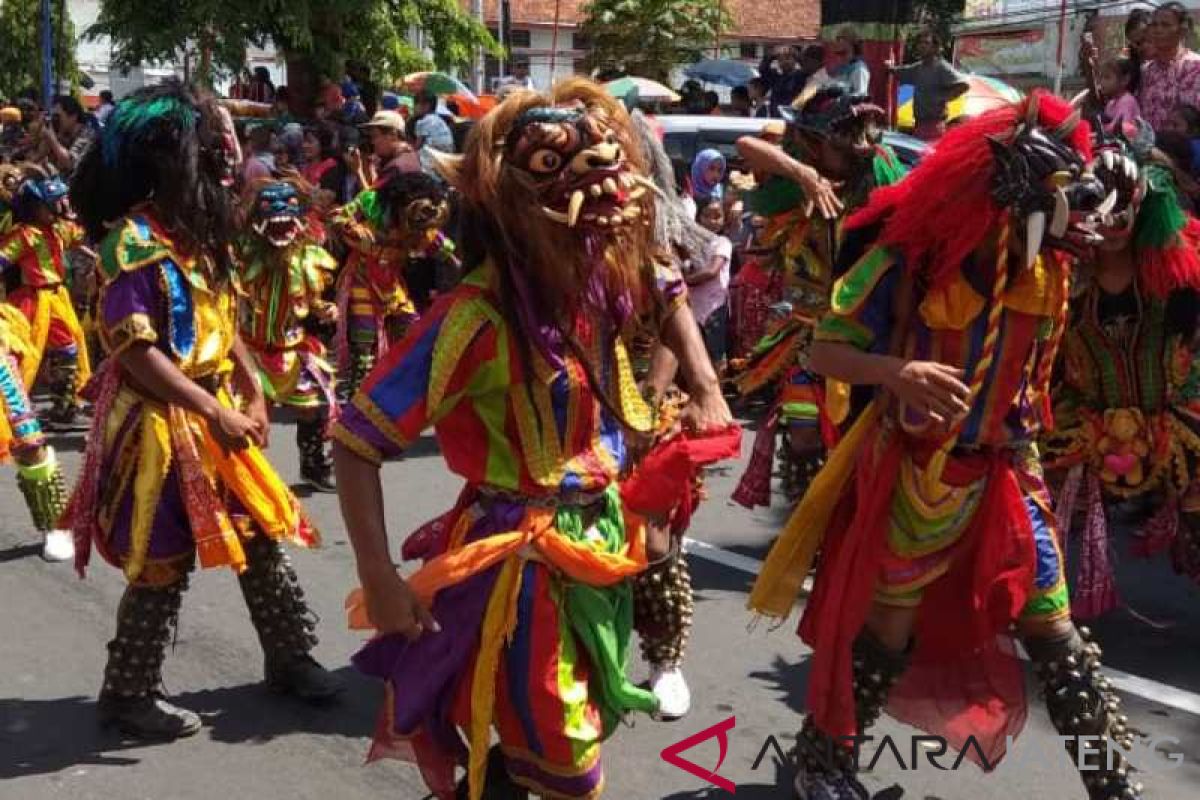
(58, 546)
(674, 697)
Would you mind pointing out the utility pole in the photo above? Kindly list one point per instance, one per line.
(477, 69)
(47, 55)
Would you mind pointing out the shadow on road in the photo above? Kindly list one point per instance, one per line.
(39, 737)
(789, 680)
(19, 552)
(781, 788)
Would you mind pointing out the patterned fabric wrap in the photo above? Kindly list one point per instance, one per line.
(54, 326)
(171, 492)
(528, 573)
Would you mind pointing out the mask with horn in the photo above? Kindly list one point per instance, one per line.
(1048, 186)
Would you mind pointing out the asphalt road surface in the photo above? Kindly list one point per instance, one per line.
(53, 627)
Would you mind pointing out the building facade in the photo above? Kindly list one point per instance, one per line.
(546, 33)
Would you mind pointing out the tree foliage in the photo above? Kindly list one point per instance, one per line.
(21, 54)
(324, 32)
(649, 38)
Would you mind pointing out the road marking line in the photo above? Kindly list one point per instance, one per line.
(1161, 693)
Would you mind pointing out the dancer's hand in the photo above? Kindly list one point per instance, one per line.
(260, 415)
(935, 389)
(706, 411)
(821, 194)
(393, 607)
(232, 429)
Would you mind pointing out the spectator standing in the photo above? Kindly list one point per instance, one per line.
(260, 163)
(67, 137)
(781, 74)
(1138, 45)
(322, 164)
(368, 90)
(935, 83)
(520, 77)
(430, 129)
(261, 88)
(392, 152)
(283, 106)
(107, 104)
(708, 284)
(353, 111)
(758, 98)
(852, 72)
(1171, 75)
(706, 180)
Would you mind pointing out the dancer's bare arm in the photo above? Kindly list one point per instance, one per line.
(391, 604)
(763, 157)
(156, 373)
(245, 377)
(706, 407)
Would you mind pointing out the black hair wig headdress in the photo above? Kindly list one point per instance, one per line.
(164, 145)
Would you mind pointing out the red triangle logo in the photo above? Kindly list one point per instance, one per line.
(721, 732)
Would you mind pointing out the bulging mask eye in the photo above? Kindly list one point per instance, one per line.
(546, 161)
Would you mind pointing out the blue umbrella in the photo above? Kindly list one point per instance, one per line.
(723, 71)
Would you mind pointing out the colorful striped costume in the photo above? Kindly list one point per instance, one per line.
(170, 491)
(909, 517)
(375, 305)
(527, 574)
(37, 257)
(281, 292)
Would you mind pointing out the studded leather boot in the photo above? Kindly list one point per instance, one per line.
(316, 467)
(132, 698)
(284, 623)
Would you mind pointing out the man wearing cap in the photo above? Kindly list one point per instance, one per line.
(830, 160)
(392, 152)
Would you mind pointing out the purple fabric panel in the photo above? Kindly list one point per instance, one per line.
(425, 673)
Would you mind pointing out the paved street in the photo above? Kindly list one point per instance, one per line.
(54, 626)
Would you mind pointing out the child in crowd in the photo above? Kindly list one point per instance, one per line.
(708, 282)
(707, 180)
(1185, 121)
(1119, 85)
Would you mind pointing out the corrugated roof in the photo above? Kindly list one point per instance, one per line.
(756, 19)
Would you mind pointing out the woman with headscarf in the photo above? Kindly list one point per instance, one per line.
(708, 173)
